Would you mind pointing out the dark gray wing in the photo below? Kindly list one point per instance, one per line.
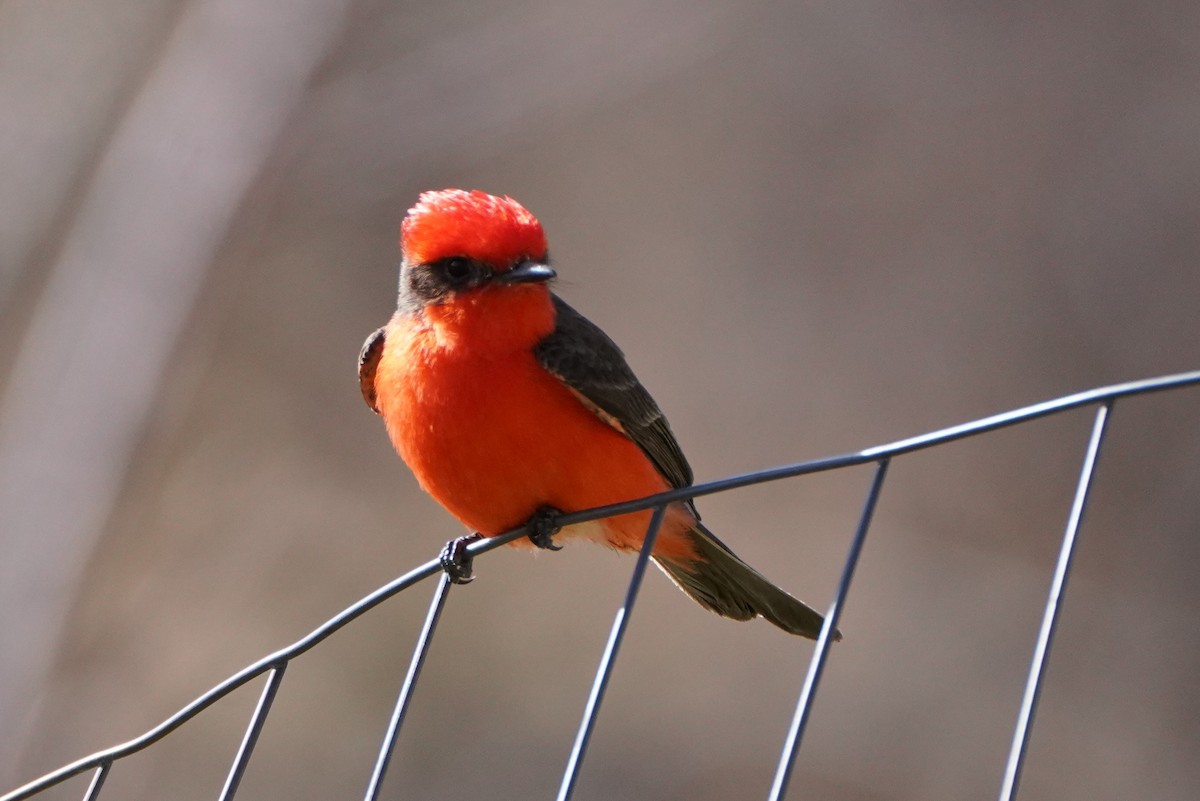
(590, 364)
(368, 358)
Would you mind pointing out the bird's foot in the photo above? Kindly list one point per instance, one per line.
(543, 526)
(456, 559)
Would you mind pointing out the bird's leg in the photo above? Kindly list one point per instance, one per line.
(456, 559)
(544, 525)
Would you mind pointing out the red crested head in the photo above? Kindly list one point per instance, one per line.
(497, 231)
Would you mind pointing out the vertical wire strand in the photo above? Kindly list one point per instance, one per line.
(1058, 586)
(93, 791)
(584, 735)
(274, 679)
(791, 746)
(406, 690)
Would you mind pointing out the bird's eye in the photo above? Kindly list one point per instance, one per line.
(458, 269)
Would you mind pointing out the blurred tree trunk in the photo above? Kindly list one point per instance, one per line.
(165, 132)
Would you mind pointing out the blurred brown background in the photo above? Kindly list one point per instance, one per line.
(814, 227)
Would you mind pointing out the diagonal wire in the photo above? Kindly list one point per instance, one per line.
(615, 637)
(816, 666)
(248, 674)
(917, 443)
(253, 731)
(406, 690)
(102, 760)
(1058, 586)
(93, 791)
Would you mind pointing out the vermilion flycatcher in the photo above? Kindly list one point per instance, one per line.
(506, 403)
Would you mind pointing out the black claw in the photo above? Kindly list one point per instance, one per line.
(456, 559)
(543, 526)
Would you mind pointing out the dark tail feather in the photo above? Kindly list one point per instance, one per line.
(718, 580)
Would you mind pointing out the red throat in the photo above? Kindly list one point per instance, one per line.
(455, 222)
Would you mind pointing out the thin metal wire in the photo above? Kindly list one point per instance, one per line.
(939, 437)
(604, 671)
(406, 690)
(816, 666)
(1058, 586)
(274, 679)
(93, 791)
(247, 674)
(103, 760)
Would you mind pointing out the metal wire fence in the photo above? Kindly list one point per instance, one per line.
(275, 665)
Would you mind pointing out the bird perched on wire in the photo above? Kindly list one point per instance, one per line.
(510, 407)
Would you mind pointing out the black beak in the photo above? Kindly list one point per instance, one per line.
(528, 272)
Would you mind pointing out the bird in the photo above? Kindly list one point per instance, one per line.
(511, 408)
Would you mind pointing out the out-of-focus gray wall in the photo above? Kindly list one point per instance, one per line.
(812, 227)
